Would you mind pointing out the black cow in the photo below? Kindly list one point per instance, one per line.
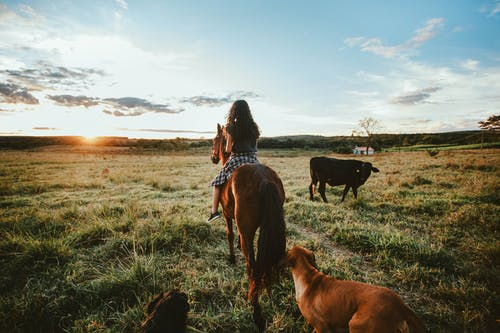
(332, 171)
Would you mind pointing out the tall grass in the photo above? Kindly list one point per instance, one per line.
(83, 249)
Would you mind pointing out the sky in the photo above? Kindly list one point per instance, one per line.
(172, 68)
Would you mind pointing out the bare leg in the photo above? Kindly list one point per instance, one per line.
(215, 199)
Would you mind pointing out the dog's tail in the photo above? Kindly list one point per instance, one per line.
(272, 241)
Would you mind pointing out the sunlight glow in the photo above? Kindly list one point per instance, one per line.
(89, 139)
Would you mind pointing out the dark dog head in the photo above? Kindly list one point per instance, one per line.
(167, 313)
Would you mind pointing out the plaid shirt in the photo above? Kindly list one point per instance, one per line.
(235, 160)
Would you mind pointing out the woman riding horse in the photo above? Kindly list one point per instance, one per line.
(253, 196)
(241, 143)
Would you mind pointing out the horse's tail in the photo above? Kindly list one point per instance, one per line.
(272, 241)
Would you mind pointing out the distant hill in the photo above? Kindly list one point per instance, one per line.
(344, 144)
(340, 144)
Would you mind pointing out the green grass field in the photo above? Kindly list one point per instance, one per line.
(89, 235)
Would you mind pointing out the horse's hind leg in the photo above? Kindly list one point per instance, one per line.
(248, 253)
(230, 239)
(258, 319)
(253, 280)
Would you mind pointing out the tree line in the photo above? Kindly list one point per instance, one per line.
(337, 144)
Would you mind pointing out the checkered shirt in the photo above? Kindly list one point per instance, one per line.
(235, 160)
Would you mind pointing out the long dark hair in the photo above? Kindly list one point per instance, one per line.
(241, 119)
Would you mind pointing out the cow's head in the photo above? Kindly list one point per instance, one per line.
(365, 172)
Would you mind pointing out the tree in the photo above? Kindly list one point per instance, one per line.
(490, 124)
(369, 126)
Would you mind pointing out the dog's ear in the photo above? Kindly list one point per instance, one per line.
(313, 260)
(291, 258)
(151, 305)
(284, 261)
(310, 257)
(183, 301)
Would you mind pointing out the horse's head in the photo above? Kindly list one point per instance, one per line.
(219, 146)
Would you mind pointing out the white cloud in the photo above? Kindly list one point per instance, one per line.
(122, 3)
(495, 9)
(491, 9)
(470, 64)
(419, 97)
(375, 45)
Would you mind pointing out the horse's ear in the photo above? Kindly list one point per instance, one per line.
(219, 128)
(375, 169)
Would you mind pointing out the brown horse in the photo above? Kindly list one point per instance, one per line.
(253, 196)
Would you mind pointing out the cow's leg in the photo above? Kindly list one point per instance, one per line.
(346, 189)
(321, 189)
(355, 192)
(312, 187)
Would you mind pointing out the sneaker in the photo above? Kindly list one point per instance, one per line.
(214, 217)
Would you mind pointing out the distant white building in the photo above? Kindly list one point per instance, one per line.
(363, 151)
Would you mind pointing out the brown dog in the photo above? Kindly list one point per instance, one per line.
(331, 305)
(167, 312)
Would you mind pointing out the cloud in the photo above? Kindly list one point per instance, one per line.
(218, 101)
(30, 13)
(165, 131)
(13, 94)
(71, 101)
(470, 64)
(496, 9)
(45, 75)
(206, 101)
(491, 9)
(243, 94)
(415, 121)
(45, 128)
(121, 107)
(427, 32)
(375, 45)
(122, 3)
(117, 113)
(132, 106)
(28, 16)
(415, 97)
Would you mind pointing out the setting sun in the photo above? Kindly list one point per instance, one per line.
(89, 139)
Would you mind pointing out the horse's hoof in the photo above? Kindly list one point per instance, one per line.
(258, 319)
